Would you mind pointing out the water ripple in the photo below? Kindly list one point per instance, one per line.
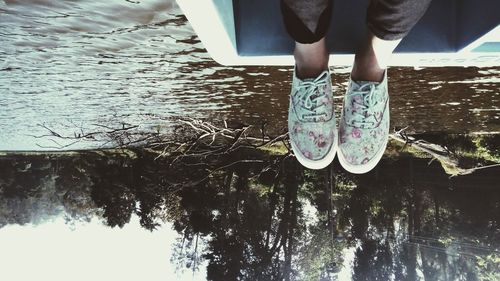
(87, 62)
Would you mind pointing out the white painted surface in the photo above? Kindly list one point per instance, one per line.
(203, 16)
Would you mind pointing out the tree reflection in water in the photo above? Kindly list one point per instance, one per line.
(266, 218)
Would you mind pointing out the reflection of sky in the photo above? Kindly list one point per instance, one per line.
(346, 270)
(52, 251)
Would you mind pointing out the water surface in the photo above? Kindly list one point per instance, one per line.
(122, 70)
(246, 216)
(79, 65)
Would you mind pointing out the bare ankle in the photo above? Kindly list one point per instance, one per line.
(308, 71)
(367, 69)
(310, 59)
(372, 58)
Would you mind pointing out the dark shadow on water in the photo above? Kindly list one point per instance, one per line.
(264, 217)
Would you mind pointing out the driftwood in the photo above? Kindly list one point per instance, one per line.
(197, 134)
(449, 160)
(209, 147)
(121, 136)
(209, 139)
(198, 139)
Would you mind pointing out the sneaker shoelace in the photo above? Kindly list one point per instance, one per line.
(309, 93)
(364, 117)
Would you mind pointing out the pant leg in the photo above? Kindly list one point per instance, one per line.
(306, 21)
(393, 19)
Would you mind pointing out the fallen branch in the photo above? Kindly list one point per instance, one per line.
(449, 160)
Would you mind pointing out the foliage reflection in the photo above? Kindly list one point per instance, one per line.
(266, 218)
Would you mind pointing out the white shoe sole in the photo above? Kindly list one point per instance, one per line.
(316, 164)
(363, 168)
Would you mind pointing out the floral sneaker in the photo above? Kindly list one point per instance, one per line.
(364, 125)
(311, 121)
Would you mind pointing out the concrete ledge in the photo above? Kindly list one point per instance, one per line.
(233, 33)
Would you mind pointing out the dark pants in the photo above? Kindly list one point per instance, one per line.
(307, 21)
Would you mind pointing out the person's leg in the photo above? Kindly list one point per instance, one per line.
(364, 125)
(311, 118)
(372, 57)
(388, 21)
(310, 59)
(307, 21)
